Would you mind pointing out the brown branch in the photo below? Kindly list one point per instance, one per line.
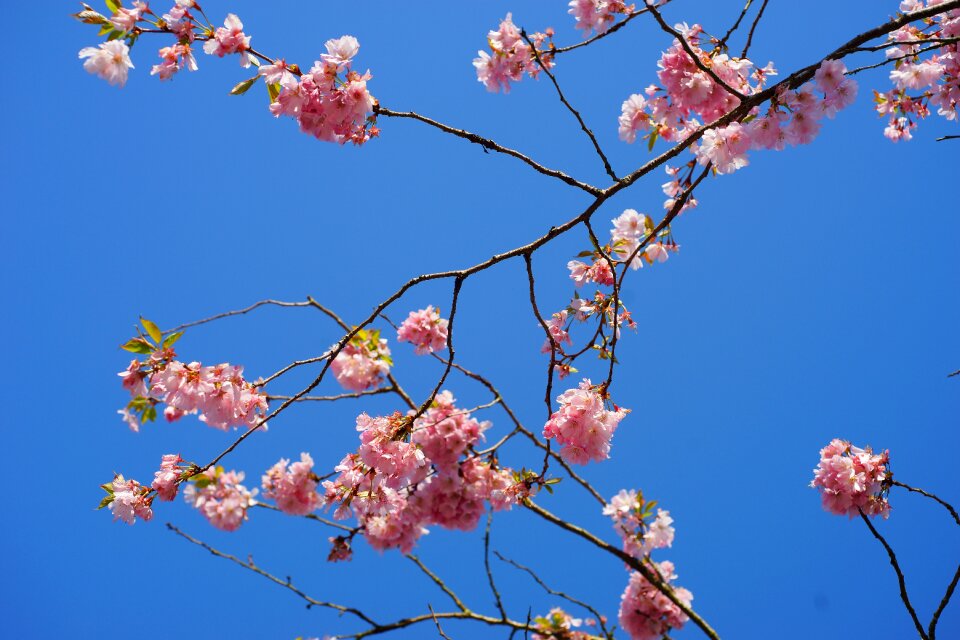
(690, 52)
(753, 28)
(486, 143)
(237, 312)
(932, 629)
(613, 29)
(440, 583)
(900, 578)
(437, 621)
(560, 594)
(736, 25)
(310, 516)
(339, 396)
(946, 505)
(647, 572)
(566, 103)
(486, 564)
(287, 584)
(554, 347)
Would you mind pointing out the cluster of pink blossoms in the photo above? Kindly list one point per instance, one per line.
(645, 612)
(228, 40)
(330, 102)
(395, 489)
(167, 479)
(220, 497)
(634, 522)
(936, 78)
(292, 486)
(364, 362)
(512, 56)
(852, 479)
(689, 96)
(583, 425)
(560, 625)
(109, 61)
(219, 393)
(425, 329)
(128, 500)
(597, 15)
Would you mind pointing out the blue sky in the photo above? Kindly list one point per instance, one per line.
(811, 299)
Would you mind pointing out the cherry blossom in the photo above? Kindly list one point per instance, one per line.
(596, 15)
(173, 59)
(363, 363)
(229, 39)
(634, 522)
(559, 625)
(219, 496)
(444, 432)
(108, 60)
(583, 426)
(425, 329)
(292, 486)
(129, 501)
(512, 57)
(852, 480)
(167, 479)
(645, 612)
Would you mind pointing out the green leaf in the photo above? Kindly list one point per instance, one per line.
(585, 254)
(114, 5)
(274, 91)
(114, 35)
(89, 16)
(242, 87)
(653, 139)
(137, 345)
(152, 329)
(150, 415)
(106, 500)
(108, 487)
(172, 338)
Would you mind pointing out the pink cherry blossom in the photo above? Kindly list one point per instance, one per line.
(363, 363)
(596, 15)
(220, 498)
(425, 329)
(645, 612)
(340, 51)
(219, 393)
(130, 418)
(126, 19)
(130, 500)
(634, 522)
(512, 57)
(132, 379)
(559, 625)
(109, 60)
(555, 325)
(292, 486)
(173, 59)
(457, 499)
(166, 480)
(852, 479)
(444, 432)
(229, 39)
(583, 426)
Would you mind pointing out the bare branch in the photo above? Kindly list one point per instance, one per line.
(486, 564)
(946, 505)
(440, 583)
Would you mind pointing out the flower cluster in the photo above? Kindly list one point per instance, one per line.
(560, 625)
(512, 56)
(936, 79)
(364, 362)
(597, 15)
(425, 329)
(634, 522)
(127, 500)
(444, 432)
(219, 496)
(395, 489)
(583, 425)
(645, 612)
(292, 486)
(330, 102)
(852, 479)
(167, 479)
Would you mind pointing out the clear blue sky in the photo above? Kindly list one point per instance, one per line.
(814, 297)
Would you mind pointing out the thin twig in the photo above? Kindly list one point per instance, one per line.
(753, 28)
(237, 312)
(486, 564)
(287, 584)
(440, 583)
(946, 505)
(486, 143)
(606, 33)
(736, 25)
(437, 621)
(566, 103)
(932, 629)
(900, 578)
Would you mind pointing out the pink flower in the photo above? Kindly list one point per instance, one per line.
(293, 489)
(132, 379)
(555, 325)
(219, 496)
(645, 612)
(131, 419)
(596, 15)
(130, 500)
(340, 51)
(444, 432)
(229, 39)
(109, 60)
(363, 363)
(167, 479)
(512, 57)
(457, 499)
(425, 329)
(852, 480)
(276, 73)
(219, 393)
(173, 59)
(558, 624)
(583, 425)
(126, 19)
(633, 118)
(725, 147)
(634, 523)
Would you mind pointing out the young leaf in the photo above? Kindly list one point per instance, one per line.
(242, 87)
(152, 330)
(106, 500)
(137, 345)
(113, 5)
(274, 91)
(172, 338)
(653, 139)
